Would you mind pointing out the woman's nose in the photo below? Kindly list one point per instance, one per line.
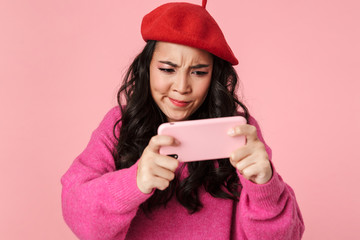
(182, 83)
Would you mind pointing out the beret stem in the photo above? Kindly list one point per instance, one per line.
(204, 3)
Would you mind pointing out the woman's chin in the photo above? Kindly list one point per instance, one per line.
(176, 117)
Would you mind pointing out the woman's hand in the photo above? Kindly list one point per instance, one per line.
(251, 160)
(155, 170)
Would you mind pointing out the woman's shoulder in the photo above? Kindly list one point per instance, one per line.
(111, 117)
(106, 126)
(113, 113)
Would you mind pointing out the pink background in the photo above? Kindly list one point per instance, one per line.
(61, 63)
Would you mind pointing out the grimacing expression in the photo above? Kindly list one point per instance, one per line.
(180, 77)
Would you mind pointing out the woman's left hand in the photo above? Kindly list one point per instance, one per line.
(251, 160)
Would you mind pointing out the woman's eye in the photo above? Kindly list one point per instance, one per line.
(200, 73)
(167, 70)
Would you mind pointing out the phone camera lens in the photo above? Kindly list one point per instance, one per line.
(173, 156)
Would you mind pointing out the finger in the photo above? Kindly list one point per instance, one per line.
(164, 173)
(247, 130)
(259, 172)
(244, 163)
(167, 162)
(147, 181)
(250, 172)
(240, 154)
(161, 140)
(251, 148)
(160, 183)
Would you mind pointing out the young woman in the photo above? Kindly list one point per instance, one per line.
(120, 187)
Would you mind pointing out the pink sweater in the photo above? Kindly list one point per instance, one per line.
(101, 203)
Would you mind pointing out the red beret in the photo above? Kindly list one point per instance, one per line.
(187, 24)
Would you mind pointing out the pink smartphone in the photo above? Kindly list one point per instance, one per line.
(203, 139)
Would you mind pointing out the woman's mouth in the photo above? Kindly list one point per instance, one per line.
(179, 103)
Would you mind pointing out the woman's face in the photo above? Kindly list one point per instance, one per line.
(180, 77)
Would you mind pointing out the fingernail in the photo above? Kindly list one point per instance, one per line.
(231, 132)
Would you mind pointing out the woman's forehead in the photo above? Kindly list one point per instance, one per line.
(166, 51)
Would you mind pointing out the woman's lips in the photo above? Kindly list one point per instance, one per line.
(179, 103)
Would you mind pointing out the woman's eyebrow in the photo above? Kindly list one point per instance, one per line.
(192, 67)
(200, 66)
(169, 63)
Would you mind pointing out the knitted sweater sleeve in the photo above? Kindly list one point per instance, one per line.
(99, 202)
(267, 211)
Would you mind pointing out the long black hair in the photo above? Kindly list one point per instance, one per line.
(141, 117)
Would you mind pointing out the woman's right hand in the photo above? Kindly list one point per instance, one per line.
(155, 170)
